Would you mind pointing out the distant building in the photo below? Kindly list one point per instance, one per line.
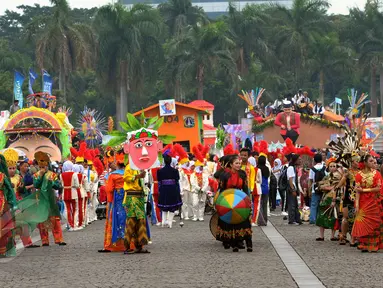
(213, 8)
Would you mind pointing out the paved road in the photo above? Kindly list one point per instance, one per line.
(188, 257)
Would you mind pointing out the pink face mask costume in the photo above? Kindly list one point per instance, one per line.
(143, 147)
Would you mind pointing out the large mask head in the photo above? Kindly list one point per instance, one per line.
(143, 146)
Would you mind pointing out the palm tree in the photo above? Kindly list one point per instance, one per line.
(295, 30)
(326, 55)
(248, 31)
(63, 45)
(367, 25)
(129, 46)
(203, 50)
(179, 14)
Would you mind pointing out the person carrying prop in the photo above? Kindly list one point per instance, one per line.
(199, 184)
(115, 212)
(11, 158)
(7, 205)
(169, 189)
(289, 122)
(232, 177)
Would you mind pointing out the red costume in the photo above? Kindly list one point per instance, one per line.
(70, 183)
(288, 119)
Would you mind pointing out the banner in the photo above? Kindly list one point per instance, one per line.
(47, 82)
(18, 88)
(32, 79)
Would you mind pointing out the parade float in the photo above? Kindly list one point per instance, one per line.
(314, 131)
(35, 128)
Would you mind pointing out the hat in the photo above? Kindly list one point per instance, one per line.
(287, 104)
(181, 153)
(11, 157)
(42, 158)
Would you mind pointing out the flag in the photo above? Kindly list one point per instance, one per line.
(47, 82)
(18, 88)
(32, 78)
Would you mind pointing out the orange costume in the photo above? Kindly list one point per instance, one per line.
(115, 213)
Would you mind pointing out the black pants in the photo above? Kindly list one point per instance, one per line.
(273, 198)
(293, 210)
(284, 205)
(262, 219)
(293, 138)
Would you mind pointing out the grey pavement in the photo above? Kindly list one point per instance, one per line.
(334, 265)
(180, 257)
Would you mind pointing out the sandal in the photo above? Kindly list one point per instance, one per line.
(319, 239)
(343, 242)
(334, 239)
(129, 251)
(104, 251)
(141, 251)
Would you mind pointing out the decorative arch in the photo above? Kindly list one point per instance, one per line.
(33, 113)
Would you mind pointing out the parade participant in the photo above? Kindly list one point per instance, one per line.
(115, 213)
(134, 203)
(329, 204)
(318, 109)
(257, 191)
(93, 183)
(27, 179)
(14, 107)
(7, 204)
(293, 190)
(169, 199)
(368, 186)
(154, 189)
(78, 169)
(45, 181)
(211, 165)
(265, 172)
(70, 183)
(247, 167)
(232, 235)
(289, 122)
(199, 185)
(84, 193)
(11, 158)
(316, 174)
(185, 184)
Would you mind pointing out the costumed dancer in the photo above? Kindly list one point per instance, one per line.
(256, 192)
(367, 225)
(115, 212)
(46, 181)
(70, 183)
(169, 189)
(199, 181)
(11, 158)
(232, 235)
(81, 195)
(93, 183)
(7, 204)
(185, 186)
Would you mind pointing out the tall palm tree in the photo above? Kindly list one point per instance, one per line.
(179, 14)
(295, 30)
(203, 50)
(248, 31)
(365, 34)
(129, 46)
(63, 45)
(326, 55)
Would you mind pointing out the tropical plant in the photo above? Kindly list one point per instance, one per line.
(203, 50)
(129, 47)
(63, 45)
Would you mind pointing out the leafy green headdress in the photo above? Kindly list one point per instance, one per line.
(132, 124)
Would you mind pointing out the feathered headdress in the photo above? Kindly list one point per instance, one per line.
(252, 98)
(289, 148)
(198, 153)
(256, 147)
(228, 150)
(263, 151)
(79, 154)
(305, 151)
(92, 125)
(356, 104)
(179, 151)
(168, 150)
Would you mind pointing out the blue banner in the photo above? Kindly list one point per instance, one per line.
(18, 88)
(32, 79)
(47, 83)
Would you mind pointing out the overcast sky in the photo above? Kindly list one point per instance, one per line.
(338, 6)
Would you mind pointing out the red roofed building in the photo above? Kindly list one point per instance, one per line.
(209, 131)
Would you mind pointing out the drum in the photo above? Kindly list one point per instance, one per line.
(214, 224)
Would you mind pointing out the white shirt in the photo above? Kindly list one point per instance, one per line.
(318, 167)
(291, 174)
(318, 109)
